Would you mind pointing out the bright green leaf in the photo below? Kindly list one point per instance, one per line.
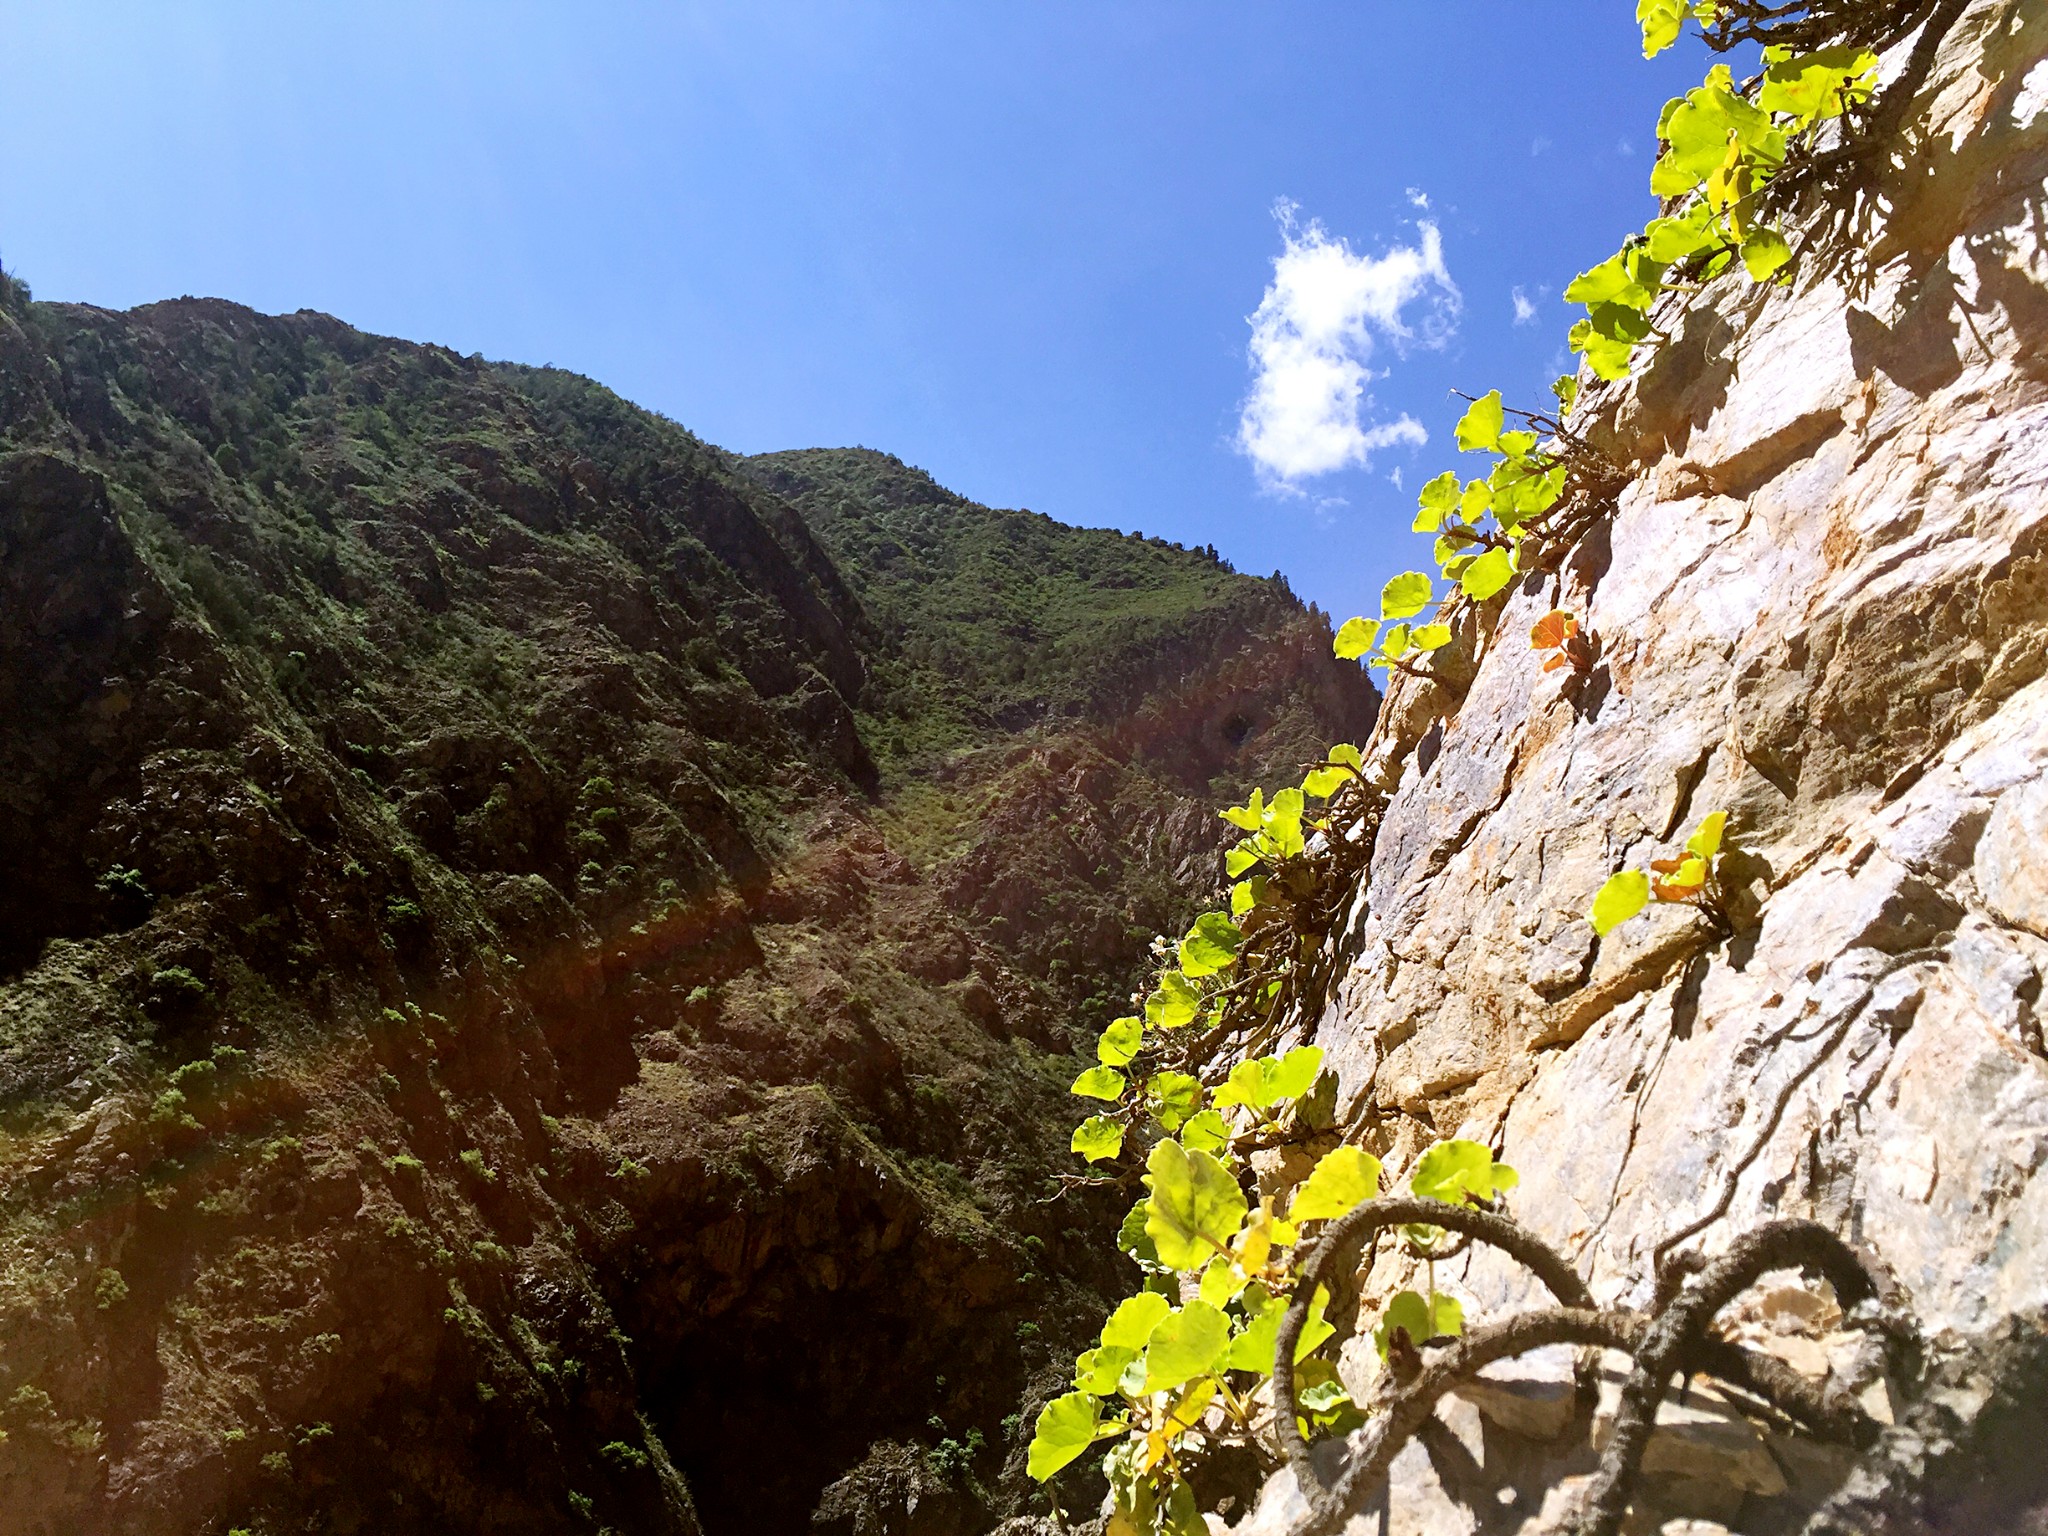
(1517, 444)
(1131, 1324)
(1120, 1042)
(1210, 946)
(1621, 898)
(1479, 427)
(1343, 1179)
(1174, 1003)
(1266, 1081)
(1131, 1238)
(1066, 1428)
(1099, 1083)
(1406, 595)
(1196, 1206)
(1675, 240)
(1764, 252)
(1706, 842)
(1255, 1348)
(1438, 497)
(1205, 1132)
(1430, 637)
(1172, 1098)
(1488, 574)
(1459, 1171)
(1097, 1370)
(1097, 1138)
(1421, 1320)
(1248, 816)
(1355, 639)
(1817, 86)
(1186, 1344)
(1295, 1073)
(1235, 862)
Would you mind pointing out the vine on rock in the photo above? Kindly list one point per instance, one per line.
(1227, 1348)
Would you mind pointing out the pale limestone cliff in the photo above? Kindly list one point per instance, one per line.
(1821, 606)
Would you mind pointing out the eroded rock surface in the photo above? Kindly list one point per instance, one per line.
(1822, 607)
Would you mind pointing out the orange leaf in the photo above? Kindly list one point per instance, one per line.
(1559, 660)
(1667, 866)
(1671, 890)
(1552, 630)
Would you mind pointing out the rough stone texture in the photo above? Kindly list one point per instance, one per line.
(1821, 606)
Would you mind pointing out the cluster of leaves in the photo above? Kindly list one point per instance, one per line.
(1557, 632)
(1183, 1369)
(1231, 977)
(1488, 529)
(1721, 145)
(1170, 1383)
(1690, 879)
(1180, 1371)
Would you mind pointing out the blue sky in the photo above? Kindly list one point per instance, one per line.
(1016, 242)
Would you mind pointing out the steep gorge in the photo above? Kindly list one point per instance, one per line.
(501, 1027)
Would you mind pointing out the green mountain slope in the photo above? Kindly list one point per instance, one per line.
(525, 957)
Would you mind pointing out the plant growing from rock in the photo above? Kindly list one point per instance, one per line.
(1169, 1384)
(1557, 632)
(1689, 879)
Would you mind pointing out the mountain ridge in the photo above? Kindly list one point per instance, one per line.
(481, 1030)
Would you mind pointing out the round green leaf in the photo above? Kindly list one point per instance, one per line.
(1185, 1344)
(1131, 1324)
(1175, 1003)
(1195, 1209)
(1172, 1097)
(1480, 426)
(1459, 1171)
(1764, 252)
(1097, 1370)
(1097, 1138)
(1210, 946)
(1488, 574)
(1066, 1428)
(1120, 1042)
(1355, 639)
(1621, 898)
(1099, 1083)
(1205, 1132)
(1343, 1179)
(1406, 595)
(1421, 1318)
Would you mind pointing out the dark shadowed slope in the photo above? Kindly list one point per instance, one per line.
(504, 995)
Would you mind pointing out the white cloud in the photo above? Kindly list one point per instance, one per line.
(1312, 337)
(1525, 308)
(1420, 199)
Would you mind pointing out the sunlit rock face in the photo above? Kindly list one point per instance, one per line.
(1822, 607)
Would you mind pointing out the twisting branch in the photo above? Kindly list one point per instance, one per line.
(1672, 1338)
(1412, 1404)
(1348, 1233)
(1675, 1334)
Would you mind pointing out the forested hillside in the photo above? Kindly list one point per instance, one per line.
(536, 952)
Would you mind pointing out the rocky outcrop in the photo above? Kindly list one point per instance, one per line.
(1821, 606)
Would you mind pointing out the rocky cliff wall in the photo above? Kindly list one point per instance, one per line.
(1821, 606)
